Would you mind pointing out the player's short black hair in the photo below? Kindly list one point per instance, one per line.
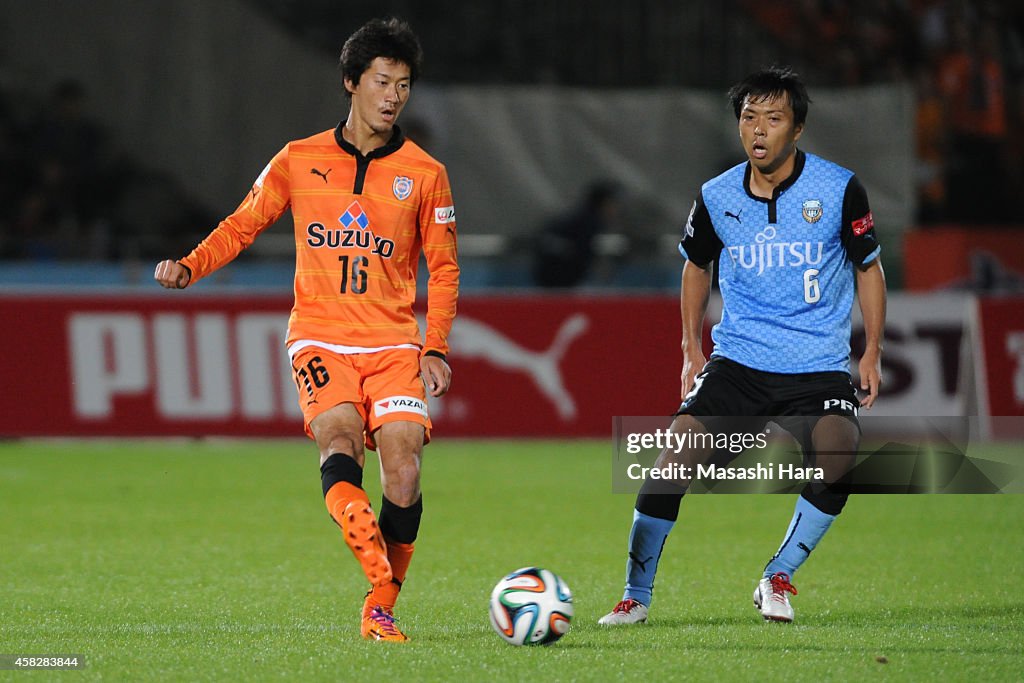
(389, 38)
(771, 83)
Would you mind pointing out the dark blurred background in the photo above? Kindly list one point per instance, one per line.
(127, 130)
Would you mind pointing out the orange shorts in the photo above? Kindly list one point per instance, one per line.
(384, 386)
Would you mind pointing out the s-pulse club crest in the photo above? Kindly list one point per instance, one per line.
(812, 210)
(402, 187)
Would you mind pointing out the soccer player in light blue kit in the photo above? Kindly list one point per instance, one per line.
(795, 241)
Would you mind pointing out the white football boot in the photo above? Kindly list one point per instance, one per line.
(628, 611)
(770, 597)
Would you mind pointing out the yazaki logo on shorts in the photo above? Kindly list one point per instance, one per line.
(400, 404)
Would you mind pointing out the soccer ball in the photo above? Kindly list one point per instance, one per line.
(531, 606)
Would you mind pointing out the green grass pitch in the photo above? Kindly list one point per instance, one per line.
(199, 560)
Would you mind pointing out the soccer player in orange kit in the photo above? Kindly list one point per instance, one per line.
(366, 201)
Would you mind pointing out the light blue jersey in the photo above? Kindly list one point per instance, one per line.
(786, 265)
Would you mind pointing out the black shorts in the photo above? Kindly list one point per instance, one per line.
(726, 389)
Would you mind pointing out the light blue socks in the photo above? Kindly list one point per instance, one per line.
(808, 526)
(646, 540)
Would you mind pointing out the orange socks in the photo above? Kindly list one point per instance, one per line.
(385, 561)
(400, 555)
(385, 595)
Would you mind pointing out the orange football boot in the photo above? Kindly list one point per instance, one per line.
(379, 624)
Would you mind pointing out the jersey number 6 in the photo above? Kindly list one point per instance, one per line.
(812, 290)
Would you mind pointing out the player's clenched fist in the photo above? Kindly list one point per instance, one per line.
(437, 375)
(172, 275)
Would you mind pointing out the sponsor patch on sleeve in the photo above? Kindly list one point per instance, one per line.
(399, 404)
(862, 225)
(444, 214)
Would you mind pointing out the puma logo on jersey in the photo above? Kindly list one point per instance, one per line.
(322, 174)
(735, 215)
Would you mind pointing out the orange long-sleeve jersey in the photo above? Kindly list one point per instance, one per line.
(360, 224)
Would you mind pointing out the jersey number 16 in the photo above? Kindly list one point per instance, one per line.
(353, 279)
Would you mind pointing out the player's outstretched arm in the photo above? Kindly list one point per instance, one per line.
(693, 302)
(269, 197)
(172, 275)
(871, 295)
